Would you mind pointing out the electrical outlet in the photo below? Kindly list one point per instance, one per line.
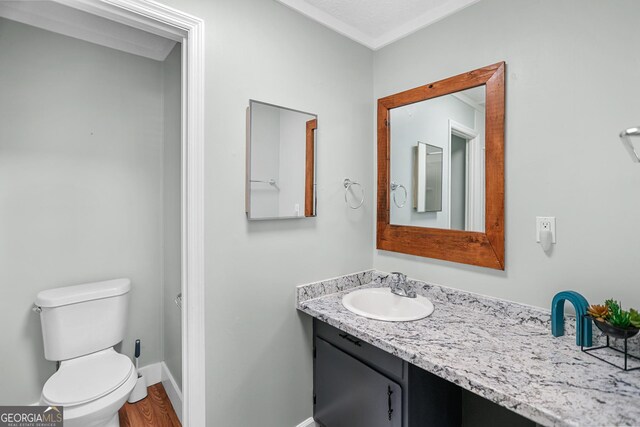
(546, 223)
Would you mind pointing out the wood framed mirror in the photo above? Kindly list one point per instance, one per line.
(461, 120)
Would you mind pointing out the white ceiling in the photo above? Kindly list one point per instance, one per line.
(376, 23)
(55, 17)
(476, 94)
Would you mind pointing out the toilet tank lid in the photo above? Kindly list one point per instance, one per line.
(80, 293)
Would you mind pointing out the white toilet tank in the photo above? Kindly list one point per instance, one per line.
(82, 319)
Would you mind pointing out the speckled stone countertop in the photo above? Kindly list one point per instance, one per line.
(500, 350)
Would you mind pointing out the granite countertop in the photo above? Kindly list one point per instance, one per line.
(500, 350)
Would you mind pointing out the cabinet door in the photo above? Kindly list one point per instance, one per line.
(348, 393)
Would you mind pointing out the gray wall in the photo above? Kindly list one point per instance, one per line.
(258, 345)
(571, 87)
(80, 189)
(171, 202)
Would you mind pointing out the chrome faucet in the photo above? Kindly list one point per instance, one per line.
(399, 285)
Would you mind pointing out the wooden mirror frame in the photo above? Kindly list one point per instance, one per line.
(467, 247)
(310, 167)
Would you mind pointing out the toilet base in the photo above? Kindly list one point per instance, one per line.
(113, 422)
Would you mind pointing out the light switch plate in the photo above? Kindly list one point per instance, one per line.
(546, 223)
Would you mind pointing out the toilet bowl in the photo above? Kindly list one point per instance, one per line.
(80, 326)
(91, 389)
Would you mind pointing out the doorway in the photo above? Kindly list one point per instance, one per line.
(458, 184)
(466, 178)
(179, 27)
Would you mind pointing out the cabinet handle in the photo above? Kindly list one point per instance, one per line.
(351, 340)
(389, 393)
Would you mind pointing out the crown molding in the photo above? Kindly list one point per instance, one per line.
(388, 37)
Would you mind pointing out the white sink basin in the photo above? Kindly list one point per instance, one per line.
(381, 304)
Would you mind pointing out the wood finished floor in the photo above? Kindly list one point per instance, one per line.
(155, 410)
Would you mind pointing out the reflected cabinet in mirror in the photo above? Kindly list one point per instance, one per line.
(281, 162)
(426, 180)
(441, 169)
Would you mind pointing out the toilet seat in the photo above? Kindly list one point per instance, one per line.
(87, 378)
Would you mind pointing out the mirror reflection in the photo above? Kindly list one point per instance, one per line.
(280, 162)
(437, 159)
(427, 178)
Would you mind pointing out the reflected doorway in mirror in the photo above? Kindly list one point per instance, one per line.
(466, 177)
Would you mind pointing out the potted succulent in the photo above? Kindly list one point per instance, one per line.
(613, 321)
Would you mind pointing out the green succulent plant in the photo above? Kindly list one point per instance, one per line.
(612, 313)
(613, 306)
(620, 319)
(634, 317)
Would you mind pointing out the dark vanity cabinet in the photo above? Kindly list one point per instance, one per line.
(351, 394)
(356, 384)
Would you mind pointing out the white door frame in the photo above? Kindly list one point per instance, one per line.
(170, 23)
(474, 192)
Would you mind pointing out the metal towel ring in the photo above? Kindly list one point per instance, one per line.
(347, 185)
(625, 136)
(394, 187)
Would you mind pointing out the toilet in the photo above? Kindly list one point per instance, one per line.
(80, 326)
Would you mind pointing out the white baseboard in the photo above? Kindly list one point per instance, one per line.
(159, 373)
(173, 390)
(153, 373)
(309, 422)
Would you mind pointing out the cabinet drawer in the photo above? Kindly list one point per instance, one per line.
(384, 362)
(351, 394)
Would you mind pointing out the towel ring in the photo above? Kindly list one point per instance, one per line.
(347, 185)
(394, 187)
(625, 136)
